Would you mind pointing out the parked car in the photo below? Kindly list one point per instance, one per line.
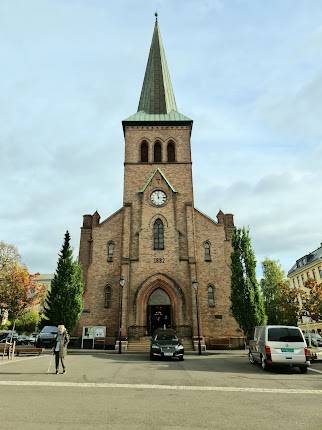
(6, 336)
(279, 345)
(47, 336)
(23, 340)
(33, 338)
(166, 344)
(316, 339)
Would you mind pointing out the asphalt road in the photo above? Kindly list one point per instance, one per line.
(110, 391)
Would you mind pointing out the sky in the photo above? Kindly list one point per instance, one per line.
(249, 73)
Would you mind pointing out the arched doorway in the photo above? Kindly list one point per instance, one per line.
(158, 311)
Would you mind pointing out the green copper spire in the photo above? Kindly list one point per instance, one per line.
(157, 94)
(157, 102)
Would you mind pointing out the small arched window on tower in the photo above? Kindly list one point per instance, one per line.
(108, 297)
(211, 296)
(206, 246)
(158, 235)
(110, 250)
(144, 152)
(157, 152)
(171, 152)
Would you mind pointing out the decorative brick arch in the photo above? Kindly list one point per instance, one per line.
(170, 287)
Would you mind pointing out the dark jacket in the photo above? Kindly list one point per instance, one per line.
(63, 344)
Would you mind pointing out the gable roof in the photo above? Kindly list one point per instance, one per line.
(151, 177)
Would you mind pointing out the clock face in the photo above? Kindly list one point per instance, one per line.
(158, 197)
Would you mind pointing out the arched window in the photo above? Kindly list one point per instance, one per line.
(110, 250)
(108, 297)
(158, 235)
(144, 151)
(206, 246)
(211, 296)
(171, 152)
(157, 152)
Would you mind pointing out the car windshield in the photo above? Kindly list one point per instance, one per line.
(284, 334)
(49, 329)
(166, 337)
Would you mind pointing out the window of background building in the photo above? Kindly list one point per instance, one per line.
(207, 253)
(144, 152)
(211, 296)
(158, 235)
(171, 152)
(157, 152)
(110, 250)
(108, 297)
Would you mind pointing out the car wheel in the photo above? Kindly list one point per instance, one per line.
(251, 358)
(303, 369)
(151, 357)
(181, 358)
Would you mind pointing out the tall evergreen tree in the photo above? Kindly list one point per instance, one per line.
(64, 302)
(247, 302)
(273, 276)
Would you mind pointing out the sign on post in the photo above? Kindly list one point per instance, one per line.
(92, 332)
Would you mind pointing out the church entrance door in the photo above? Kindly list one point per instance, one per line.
(159, 313)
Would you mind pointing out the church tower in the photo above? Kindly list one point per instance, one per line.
(157, 244)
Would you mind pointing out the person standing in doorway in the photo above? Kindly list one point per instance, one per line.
(60, 347)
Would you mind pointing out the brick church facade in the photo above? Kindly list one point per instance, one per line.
(158, 242)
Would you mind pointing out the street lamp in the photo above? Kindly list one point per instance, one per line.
(122, 283)
(195, 287)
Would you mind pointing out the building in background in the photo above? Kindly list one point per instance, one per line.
(307, 267)
(44, 279)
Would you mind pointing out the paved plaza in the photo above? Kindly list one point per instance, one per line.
(111, 391)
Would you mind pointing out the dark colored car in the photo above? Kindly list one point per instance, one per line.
(166, 344)
(47, 336)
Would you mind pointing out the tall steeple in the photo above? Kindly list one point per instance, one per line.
(157, 95)
(157, 101)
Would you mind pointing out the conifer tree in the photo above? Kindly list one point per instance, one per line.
(247, 302)
(64, 302)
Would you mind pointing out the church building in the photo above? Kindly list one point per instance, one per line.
(145, 265)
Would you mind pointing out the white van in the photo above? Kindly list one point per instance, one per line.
(279, 345)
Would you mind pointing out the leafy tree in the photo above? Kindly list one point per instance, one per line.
(273, 276)
(288, 302)
(29, 320)
(19, 291)
(9, 256)
(312, 300)
(247, 302)
(64, 302)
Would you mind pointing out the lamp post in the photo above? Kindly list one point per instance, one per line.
(122, 283)
(195, 287)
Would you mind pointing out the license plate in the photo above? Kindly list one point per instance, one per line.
(287, 349)
(168, 354)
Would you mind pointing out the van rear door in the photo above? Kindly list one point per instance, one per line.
(287, 345)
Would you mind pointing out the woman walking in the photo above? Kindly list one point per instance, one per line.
(60, 347)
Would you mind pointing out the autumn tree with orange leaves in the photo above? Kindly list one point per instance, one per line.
(18, 289)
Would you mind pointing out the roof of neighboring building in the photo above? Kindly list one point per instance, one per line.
(307, 260)
(44, 277)
(157, 100)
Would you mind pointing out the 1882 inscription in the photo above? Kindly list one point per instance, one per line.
(159, 260)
